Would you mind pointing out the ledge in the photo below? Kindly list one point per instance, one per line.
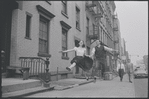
(65, 25)
(44, 11)
(49, 2)
(78, 29)
(28, 38)
(60, 72)
(66, 58)
(44, 55)
(64, 14)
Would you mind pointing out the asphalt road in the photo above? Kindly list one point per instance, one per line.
(141, 87)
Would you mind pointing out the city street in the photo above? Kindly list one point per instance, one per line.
(53, 49)
(102, 88)
(141, 87)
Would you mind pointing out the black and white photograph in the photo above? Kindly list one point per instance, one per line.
(74, 49)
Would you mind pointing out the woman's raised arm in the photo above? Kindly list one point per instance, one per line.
(66, 51)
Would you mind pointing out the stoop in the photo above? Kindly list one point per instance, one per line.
(16, 84)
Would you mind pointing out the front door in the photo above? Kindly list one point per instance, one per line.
(5, 31)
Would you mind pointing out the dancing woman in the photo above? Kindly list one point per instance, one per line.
(81, 59)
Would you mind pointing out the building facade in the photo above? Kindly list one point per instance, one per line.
(43, 28)
(145, 60)
(117, 39)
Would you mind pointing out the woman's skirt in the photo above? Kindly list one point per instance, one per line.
(85, 63)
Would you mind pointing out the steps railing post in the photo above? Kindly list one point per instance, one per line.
(48, 76)
(2, 60)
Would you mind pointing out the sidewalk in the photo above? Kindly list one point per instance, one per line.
(69, 83)
(63, 84)
(54, 85)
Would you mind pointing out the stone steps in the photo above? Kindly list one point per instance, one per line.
(16, 84)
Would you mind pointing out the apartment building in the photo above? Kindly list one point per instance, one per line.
(40, 29)
(117, 38)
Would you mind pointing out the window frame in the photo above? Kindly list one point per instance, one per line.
(48, 15)
(78, 27)
(64, 7)
(42, 18)
(66, 28)
(28, 26)
(65, 55)
(87, 25)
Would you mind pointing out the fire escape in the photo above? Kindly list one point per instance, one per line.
(93, 8)
(116, 42)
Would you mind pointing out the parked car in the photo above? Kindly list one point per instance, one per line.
(140, 73)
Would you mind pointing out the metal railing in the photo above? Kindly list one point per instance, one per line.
(37, 65)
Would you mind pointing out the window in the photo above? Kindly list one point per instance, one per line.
(77, 18)
(64, 42)
(28, 26)
(65, 29)
(88, 50)
(106, 40)
(101, 34)
(43, 35)
(103, 37)
(64, 7)
(87, 27)
(44, 20)
(93, 29)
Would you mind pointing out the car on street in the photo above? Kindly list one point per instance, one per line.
(140, 73)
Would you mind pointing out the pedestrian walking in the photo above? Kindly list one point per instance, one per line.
(98, 54)
(81, 59)
(129, 68)
(120, 69)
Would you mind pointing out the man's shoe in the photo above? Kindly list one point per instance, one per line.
(94, 79)
(68, 68)
(130, 81)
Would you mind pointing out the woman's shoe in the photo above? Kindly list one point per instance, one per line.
(87, 78)
(130, 81)
(68, 68)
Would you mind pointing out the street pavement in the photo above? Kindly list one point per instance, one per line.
(101, 88)
(141, 87)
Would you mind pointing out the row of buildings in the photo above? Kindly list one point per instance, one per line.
(32, 30)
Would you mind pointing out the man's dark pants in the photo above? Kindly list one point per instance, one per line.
(98, 69)
(121, 73)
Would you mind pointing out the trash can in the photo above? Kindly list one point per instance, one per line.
(108, 76)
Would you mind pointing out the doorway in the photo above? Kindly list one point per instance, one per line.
(5, 31)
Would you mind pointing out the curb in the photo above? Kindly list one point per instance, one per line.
(75, 85)
(30, 93)
(48, 89)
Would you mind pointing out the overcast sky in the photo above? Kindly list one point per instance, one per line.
(133, 17)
